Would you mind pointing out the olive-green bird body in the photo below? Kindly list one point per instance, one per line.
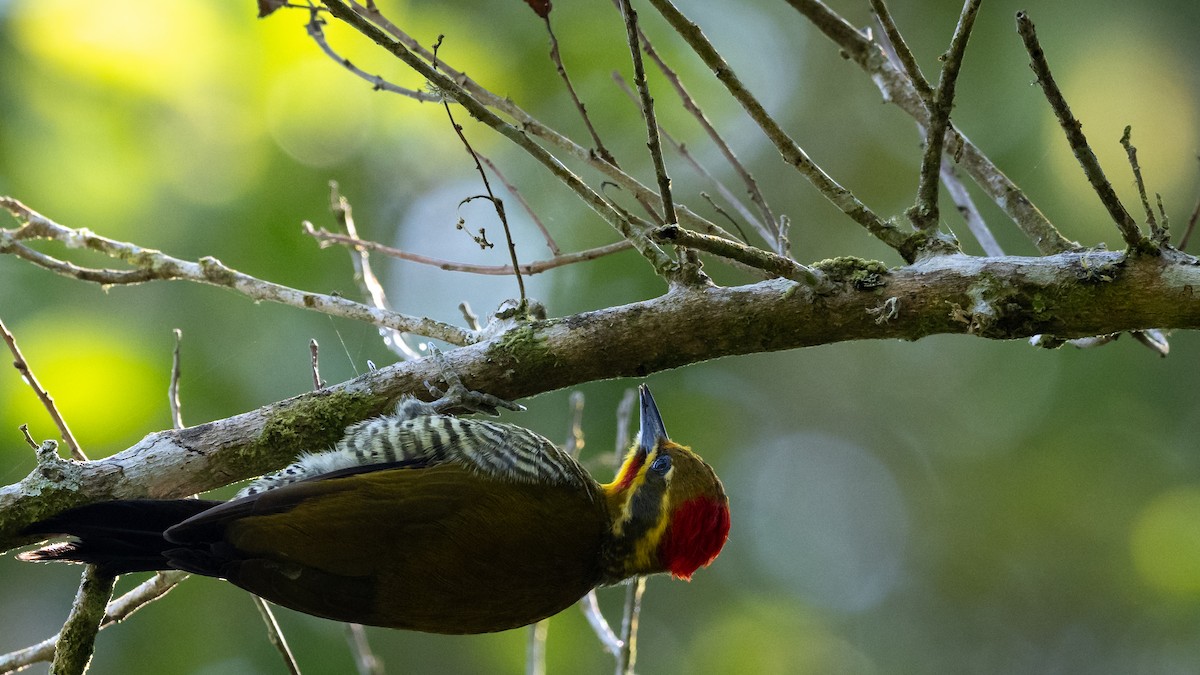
(425, 522)
(459, 559)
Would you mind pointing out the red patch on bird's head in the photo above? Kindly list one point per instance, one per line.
(695, 536)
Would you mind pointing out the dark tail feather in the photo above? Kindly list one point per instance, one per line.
(119, 537)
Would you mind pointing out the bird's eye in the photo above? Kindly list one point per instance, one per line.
(661, 465)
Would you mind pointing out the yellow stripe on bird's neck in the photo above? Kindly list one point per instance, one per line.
(639, 504)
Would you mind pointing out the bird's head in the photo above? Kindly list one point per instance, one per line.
(669, 510)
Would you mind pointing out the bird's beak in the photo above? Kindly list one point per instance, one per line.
(652, 430)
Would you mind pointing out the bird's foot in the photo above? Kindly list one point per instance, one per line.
(456, 394)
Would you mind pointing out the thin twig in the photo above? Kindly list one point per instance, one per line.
(469, 316)
(536, 267)
(556, 57)
(512, 189)
(900, 49)
(653, 142)
(767, 224)
(44, 396)
(314, 352)
(721, 212)
(896, 87)
(627, 654)
(966, 207)
(360, 258)
(703, 172)
(528, 124)
(173, 387)
(377, 82)
(535, 648)
(1157, 233)
(156, 265)
(24, 429)
(497, 203)
(444, 82)
(1074, 131)
(1191, 225)
(595, 618)
(575, 438)
(748, 255)
(924, 214)
(275, 635)
(899, 54)
(77, 641)
(364, 658)
(792, 153)
(118, 610)
(627, 659)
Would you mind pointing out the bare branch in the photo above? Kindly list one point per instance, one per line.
(792, 153)
(748, 255)
(156, 265)
(966, 206)
(924, 214)
(1068, 295)
(556, 57)
(364, 659)
(535, 648)
(44, 396)
(1158, 234)
(173, 387)
(377, 82)
(512, 189)
(900, 49)
(1191, 225)
(657, 257)
(653, 143)
(529, 124)
(767, 225)
(497, 203)
(275, 635)
(703, 172)
(627, 658)
(1074, 131)
(314, 351)
(536, 267)
(393, 339)
(896, 88)
(75, 644)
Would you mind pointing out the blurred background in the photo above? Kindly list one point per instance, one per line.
(952, 505)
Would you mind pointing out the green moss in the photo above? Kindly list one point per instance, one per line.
(310, 424)
(1099, 269)
(860, 273)
(522, 344)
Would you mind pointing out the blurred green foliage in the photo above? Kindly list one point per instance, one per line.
(947, 506)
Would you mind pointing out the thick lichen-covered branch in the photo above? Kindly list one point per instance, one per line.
(1068, 295)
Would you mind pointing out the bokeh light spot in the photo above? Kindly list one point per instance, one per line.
(104, 386)
(1166, 542)
(318, 113)
(828, 521)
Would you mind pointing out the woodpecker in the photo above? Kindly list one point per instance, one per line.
(425, 521)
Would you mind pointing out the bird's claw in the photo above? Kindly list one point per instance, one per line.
(457, 395)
